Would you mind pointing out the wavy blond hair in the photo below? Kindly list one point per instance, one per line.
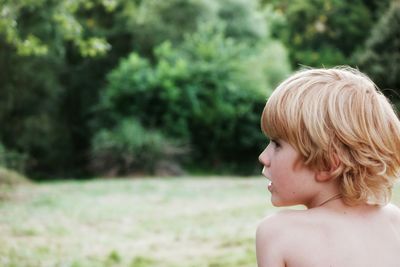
(338, 117)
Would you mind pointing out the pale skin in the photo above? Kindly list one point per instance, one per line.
(326, 233)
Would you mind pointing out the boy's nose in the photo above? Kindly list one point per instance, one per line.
(264, 159)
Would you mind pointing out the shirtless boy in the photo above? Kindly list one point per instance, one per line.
(335, 148)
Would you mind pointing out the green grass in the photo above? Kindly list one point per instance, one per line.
(133, 222)
(169, 222)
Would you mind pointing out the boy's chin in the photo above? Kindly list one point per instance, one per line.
(278, 203)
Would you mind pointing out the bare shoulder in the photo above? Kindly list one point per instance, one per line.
(273, 226)
(371, 235)
(393, 212)
(284, 226)
(274, 237)
(279, 220)
(280, 238)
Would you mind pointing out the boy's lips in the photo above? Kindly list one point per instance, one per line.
(270, 186)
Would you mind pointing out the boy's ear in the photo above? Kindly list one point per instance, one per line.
(325, 175)
(322, 176)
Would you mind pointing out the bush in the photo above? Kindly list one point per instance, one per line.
(11, 159)
(130, 148)
(11, 178)
(207, 92)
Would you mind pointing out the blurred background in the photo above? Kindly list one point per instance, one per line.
(132, 87)
(169, 92)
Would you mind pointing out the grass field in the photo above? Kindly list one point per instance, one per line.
(133, 222)
(169, 222)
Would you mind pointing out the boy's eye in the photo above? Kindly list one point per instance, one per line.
(275, 143)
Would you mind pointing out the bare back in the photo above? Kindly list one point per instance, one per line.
(361, 236)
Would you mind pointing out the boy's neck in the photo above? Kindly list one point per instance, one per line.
(332, 198)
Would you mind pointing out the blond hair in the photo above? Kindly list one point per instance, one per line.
(338, 117)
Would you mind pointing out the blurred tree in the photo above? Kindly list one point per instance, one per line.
(35, 40)
(140, 26)
(244, 19)
(84, 76)
(55, 55)
(324, 32)
(207, 92)
(377, 7)
(28, 106)
(381, 56)
(31, 25)
(157, 21)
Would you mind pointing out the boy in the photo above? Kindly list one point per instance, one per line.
(335, 148)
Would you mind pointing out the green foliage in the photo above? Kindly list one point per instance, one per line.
(324, 33)
(208, 92)
(12, 159)
(47, 16)
(48, 49)
(157, 21)
(55, 56)
(28, 106)
(244, 20)
(129, 148)
(381, 56)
